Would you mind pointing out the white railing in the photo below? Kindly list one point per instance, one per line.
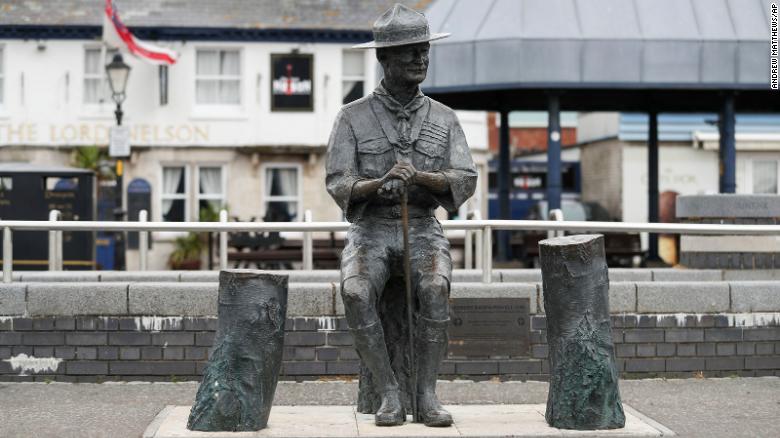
(482, 236)
(55, 243)
(555, 215)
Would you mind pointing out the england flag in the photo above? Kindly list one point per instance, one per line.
(116, 34)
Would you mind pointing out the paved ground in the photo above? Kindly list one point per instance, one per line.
(738, 407)
(473, 421)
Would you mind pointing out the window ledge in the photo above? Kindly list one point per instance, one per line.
(219, 112)
(96, 112)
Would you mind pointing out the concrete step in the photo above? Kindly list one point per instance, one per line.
(459, 275)
(189, 299)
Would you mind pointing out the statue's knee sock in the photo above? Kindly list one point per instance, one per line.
(371, 347)
(431, 339)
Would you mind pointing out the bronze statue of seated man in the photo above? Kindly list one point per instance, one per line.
(394, 144)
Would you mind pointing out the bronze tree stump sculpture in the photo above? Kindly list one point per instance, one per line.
(584, 391)
(239, 382)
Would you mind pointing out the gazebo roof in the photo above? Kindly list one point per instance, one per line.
(605, 54)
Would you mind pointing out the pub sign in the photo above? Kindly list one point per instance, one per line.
(292, 82)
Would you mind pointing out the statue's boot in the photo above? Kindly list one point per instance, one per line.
(370, 344)
(431, 342)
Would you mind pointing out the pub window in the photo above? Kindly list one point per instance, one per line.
(6, 184)
(282, 196)
(211, 192)
(765, 177)
(96, 87)
(174, 194)
(57, 184)
(218, 77)
(353, 71)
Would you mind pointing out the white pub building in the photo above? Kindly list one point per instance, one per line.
(241, 121)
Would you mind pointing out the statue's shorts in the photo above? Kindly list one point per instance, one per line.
(374, 251)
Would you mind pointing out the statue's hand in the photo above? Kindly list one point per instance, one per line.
(402, 171)
(392, 189)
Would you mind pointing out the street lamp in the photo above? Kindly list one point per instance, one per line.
(118, 72)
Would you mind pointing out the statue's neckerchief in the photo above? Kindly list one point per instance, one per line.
(403, 114)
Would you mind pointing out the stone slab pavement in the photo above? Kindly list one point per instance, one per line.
(711, 408)
(472, 421)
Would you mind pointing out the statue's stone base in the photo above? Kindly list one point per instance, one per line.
(507, 421)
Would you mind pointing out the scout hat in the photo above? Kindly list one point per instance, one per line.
(399, 26)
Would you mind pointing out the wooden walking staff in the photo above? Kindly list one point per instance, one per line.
(403, 155)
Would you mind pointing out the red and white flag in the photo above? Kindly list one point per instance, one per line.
(116, 34)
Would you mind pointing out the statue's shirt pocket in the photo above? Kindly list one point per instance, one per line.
(375, 157)
(430, 147)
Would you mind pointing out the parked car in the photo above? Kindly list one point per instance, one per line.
(622, 249)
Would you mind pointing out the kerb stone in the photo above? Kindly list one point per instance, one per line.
(751, 274)
(59, 276)
(755, 296)
(622, 297)
(630, 274)
(169, 299)
(312, 299)
(672, 274)
(199, 276)
(520, 275)
(75, 298)
(12, 299)
(318, 276)
(139, 276)
(676, 297)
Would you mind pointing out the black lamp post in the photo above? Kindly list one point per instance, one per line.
(118, 72)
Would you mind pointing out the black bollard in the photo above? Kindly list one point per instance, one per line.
(584, 391)
(240, 379)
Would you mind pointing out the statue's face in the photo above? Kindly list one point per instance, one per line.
(406, 64)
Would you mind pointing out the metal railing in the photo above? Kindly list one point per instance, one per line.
(481, 229)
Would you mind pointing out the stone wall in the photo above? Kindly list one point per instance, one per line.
(686, 323)
(729, 252)
(90, 349)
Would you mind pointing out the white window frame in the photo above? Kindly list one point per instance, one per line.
(298, 198)
(192, 195)
(363, 78)
(186, 196)
(238, 77)
(222, 197)
(100, 75)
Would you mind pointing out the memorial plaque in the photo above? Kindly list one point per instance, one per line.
(489, 327)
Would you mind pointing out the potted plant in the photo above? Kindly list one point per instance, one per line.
(186, 252)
